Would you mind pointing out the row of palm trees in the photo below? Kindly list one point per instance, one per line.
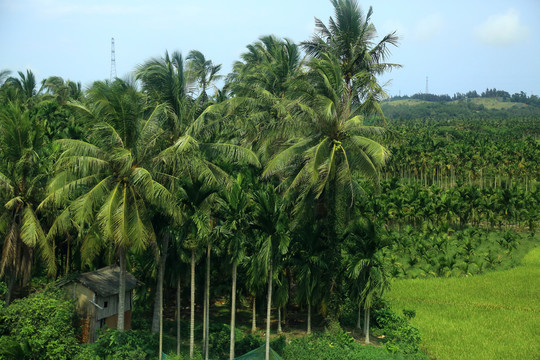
(153, 169)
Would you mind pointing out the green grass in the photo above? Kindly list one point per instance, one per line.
(492, 103)
(491, 316)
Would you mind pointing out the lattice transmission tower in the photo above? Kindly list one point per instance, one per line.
(113, 62)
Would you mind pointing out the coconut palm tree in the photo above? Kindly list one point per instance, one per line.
(263, 106)
(334, 146)
(104, 183)
(22, 178)
(25, 88)
(350, 38)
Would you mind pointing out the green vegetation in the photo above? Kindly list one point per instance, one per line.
(493, 316)
(40, 326)
(287, 200)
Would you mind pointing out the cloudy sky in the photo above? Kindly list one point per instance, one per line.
(458, 45)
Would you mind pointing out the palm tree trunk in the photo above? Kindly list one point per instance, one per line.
(192, 308)
(207, 291)
(279, 330)
(10, 286)
(156, 319)
(233, 311)
(178, 313)
(366, 325)
(359, 316)
(204, 319)
(253, 315)
(309, 317)
(122, 290)
(268, 312)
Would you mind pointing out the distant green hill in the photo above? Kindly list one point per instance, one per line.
(493, 103)
(476, 107)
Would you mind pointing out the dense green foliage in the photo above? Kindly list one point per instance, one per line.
(40, 326)
(298, 191)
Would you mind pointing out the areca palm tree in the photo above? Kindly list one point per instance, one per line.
(271, 220)
(234, 225)
(104, 183)
(365, 266)
(22, 177)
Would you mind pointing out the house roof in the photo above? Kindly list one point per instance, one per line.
(105, 281)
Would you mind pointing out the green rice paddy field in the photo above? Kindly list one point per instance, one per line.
(491, 316)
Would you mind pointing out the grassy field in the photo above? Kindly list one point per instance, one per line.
(490, 316)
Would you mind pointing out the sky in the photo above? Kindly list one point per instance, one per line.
(457, 46)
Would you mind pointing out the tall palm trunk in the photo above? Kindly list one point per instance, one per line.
(156, 318)
(253, 315)
(268, 312)
(233, 311)
(192, 308)
(309, 317)
(122, 290)
(178, 313)
(366, 325)
(359, 316)
(279, 329)
(207, 304)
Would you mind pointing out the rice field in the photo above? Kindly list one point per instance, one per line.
(491, 316)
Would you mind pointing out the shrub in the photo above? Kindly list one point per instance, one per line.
(113, 344)
(336, 344)
(400, 335)
(42, 324)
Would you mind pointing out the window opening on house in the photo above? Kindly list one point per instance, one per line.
(105, 304)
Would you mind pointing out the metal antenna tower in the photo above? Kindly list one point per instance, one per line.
(113, 62)
(427, 91)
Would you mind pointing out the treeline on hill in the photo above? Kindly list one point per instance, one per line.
(275, 195)
(501, 95)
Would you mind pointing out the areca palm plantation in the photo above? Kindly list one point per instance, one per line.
(104, 183)
(22, 177)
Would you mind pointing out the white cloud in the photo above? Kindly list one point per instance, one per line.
(429, 27)
(502, 29)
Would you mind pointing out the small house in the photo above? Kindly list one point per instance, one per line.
(96, 294)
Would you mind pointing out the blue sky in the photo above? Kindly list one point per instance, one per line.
(459, 45)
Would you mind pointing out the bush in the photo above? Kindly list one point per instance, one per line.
(400, 335)
(113, 344)
(336, 344)
(42, 324)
